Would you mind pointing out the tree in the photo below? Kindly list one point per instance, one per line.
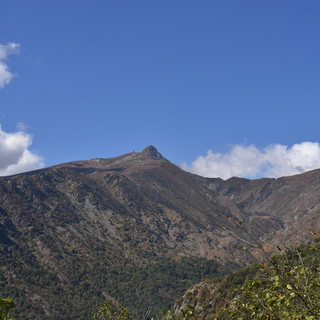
(6, 306)
(287, 287)
(284, 287)
(108, 311)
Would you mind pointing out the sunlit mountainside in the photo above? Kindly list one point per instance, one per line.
(138, 230)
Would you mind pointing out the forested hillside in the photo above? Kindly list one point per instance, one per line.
(137, 230)
(285, 286)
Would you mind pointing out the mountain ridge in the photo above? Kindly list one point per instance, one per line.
(89, 227)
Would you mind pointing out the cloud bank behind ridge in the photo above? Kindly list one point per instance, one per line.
(248, 161)
(15, 156)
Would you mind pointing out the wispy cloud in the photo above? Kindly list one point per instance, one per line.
(15, 156)
(5, 50)
(248, 161)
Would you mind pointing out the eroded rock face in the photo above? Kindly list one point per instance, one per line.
(86, 228)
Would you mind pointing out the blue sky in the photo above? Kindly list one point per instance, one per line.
(209, 83)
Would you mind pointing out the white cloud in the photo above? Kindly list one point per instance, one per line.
(248, 161)
(5, 74)
(15, 156)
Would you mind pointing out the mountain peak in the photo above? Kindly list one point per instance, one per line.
(152, 152)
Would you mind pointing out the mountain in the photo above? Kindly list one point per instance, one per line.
(136, 229)
(293, 201)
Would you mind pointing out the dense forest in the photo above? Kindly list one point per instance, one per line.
(134, 285)
(286, 286)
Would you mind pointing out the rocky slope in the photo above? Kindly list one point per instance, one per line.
(136, 229)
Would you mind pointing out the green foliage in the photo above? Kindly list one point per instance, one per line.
(155, 285)
(189, 313)
(73, 290)
(109, 311)
(288, 287)
(6, 306)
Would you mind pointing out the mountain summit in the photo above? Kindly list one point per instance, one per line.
(153, 153)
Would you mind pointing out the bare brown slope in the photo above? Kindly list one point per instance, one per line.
(294, 200)
(101, 215)
(75, 233)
